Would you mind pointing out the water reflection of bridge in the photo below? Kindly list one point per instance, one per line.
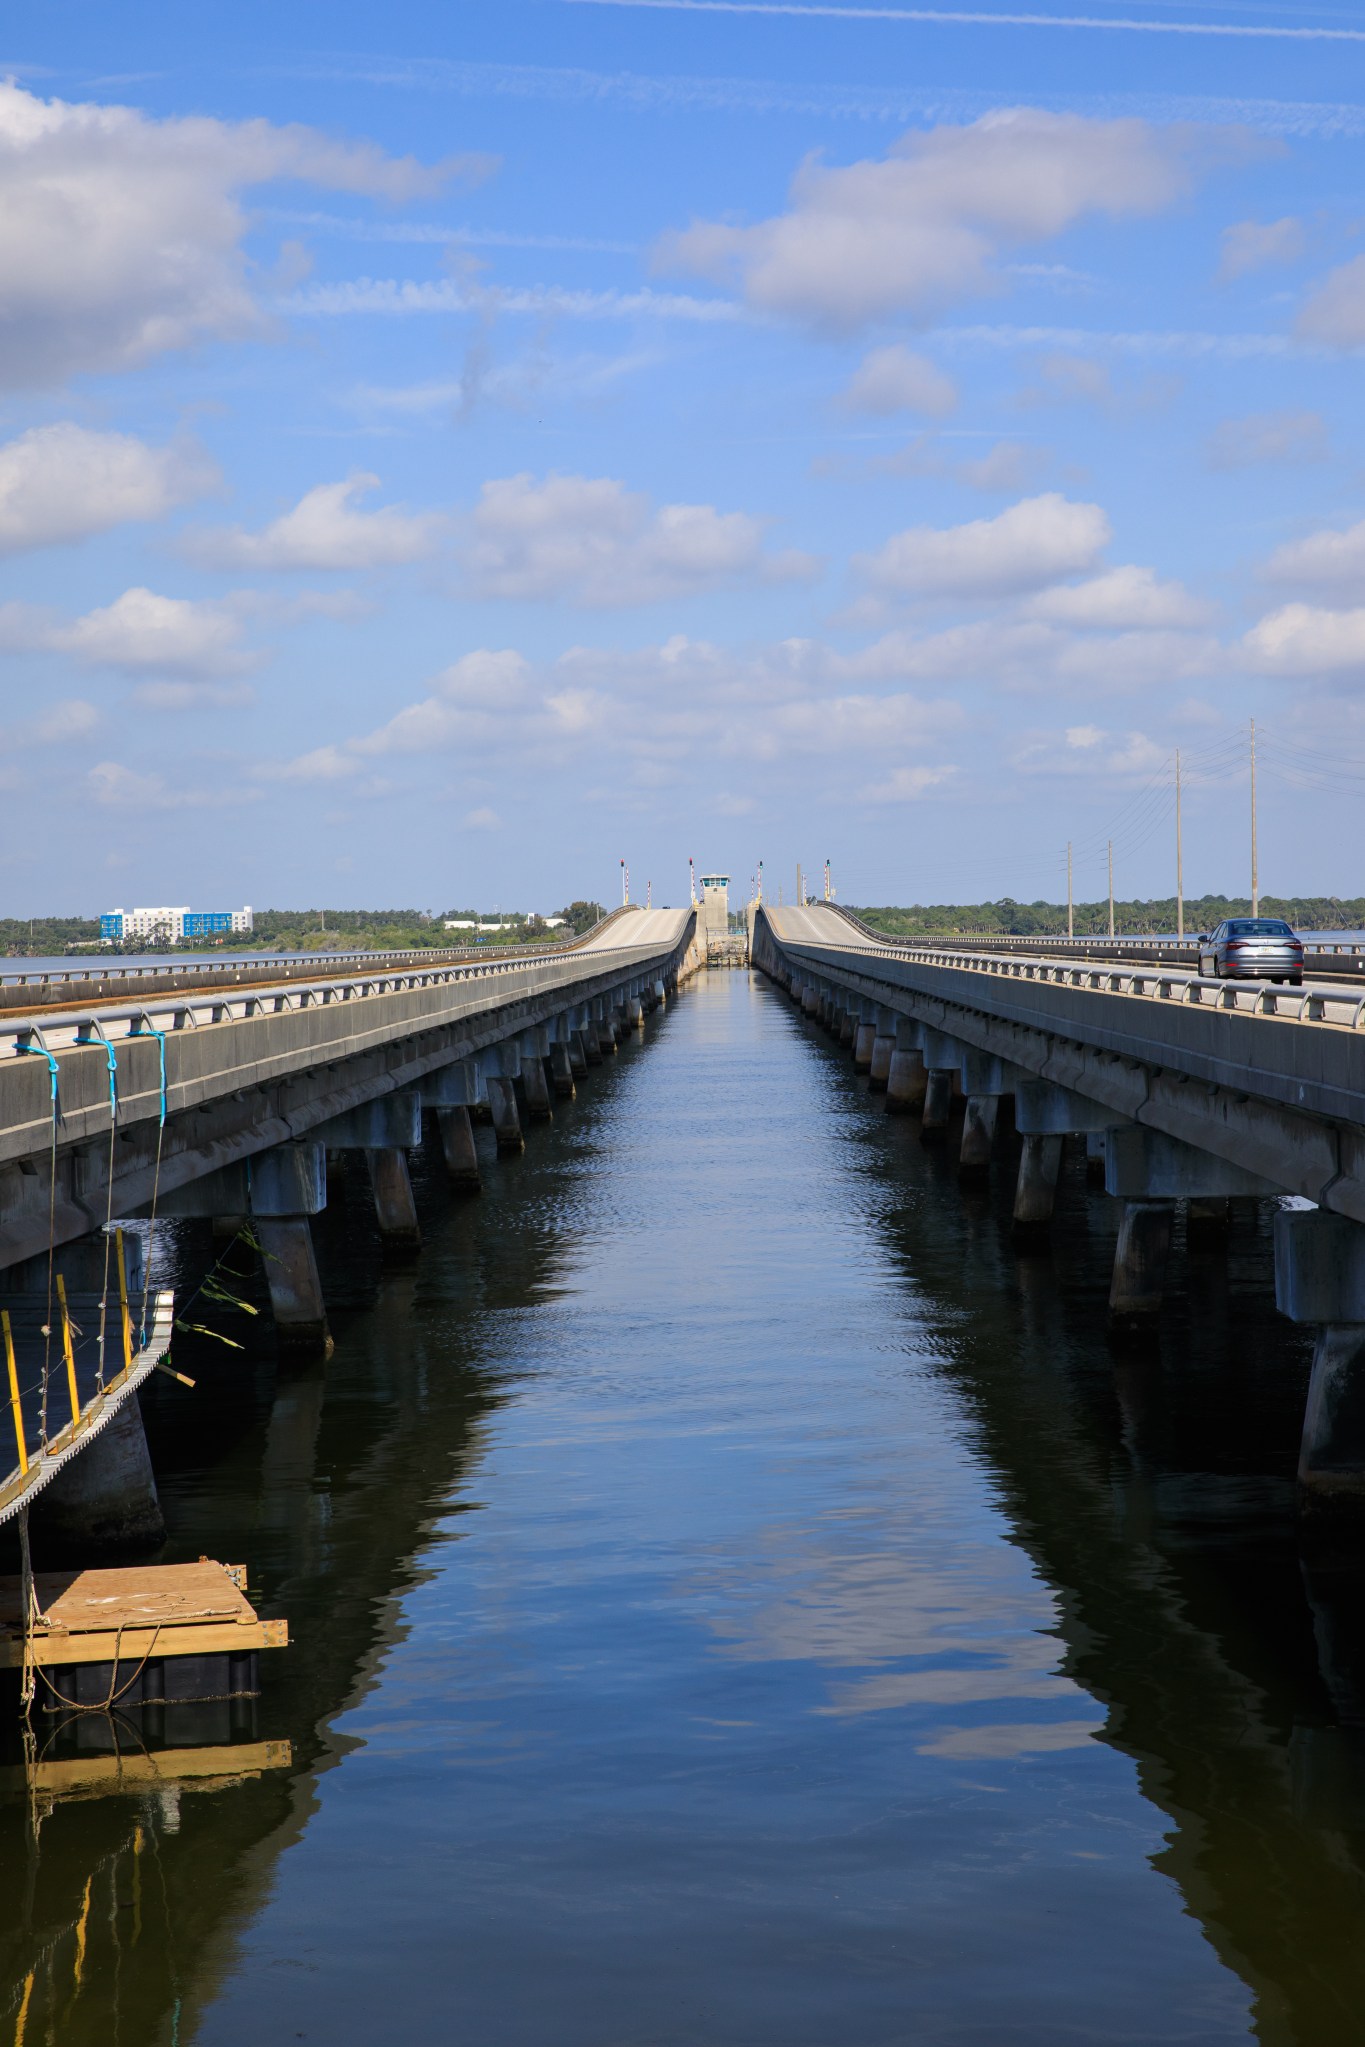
(123, 1911)
(1154, 1490)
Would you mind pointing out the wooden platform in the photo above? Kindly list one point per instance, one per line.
(95, 1776)
(121, 1615)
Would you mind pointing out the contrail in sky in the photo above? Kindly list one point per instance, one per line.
(952, 18)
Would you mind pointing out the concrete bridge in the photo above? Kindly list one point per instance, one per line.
(1185, 1091)
(223, 1096)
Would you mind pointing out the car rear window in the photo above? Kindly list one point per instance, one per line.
(1258, 927)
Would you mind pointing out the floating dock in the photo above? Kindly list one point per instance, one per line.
(149, 1635)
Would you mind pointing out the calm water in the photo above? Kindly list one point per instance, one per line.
(737, 1600)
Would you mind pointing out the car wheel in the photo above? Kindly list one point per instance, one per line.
(1296, 980)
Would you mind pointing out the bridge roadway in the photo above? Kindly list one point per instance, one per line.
(1187, 1090)
(227, 1101)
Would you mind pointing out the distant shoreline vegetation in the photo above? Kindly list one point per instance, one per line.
(318, 931)
(1132, 919)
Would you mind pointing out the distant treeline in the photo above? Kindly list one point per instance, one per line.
(1133, 919)
(313, 931)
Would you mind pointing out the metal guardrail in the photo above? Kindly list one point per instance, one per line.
(1346, 958)
(180, 1010)
(1325, 1004)
(285, 966)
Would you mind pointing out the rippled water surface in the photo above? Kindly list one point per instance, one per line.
(736, 1598)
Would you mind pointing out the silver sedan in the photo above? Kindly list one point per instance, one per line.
(1252, 949)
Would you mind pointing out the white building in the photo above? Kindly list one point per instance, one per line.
(166, 924)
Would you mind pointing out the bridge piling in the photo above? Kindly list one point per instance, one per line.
(458, 1149)
(883, 1051)
(394, 1208)
(106, 1498)
(539, 1108)
(906, 1081)
(502, 1101)
(1035, 1193)
(561, 1070)
(1138, 1286)
(938, 1104)
(978, 1136)
(291, 1275)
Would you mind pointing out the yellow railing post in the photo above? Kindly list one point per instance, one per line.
(124, 1316)
(68, 1352)
(15, 1408)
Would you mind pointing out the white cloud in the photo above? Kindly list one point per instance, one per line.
(1277, 437)
(593, 542)
(1123, 598)
(325, 530)
(1089, 753)
(1009, 465)
(1335, 312)
(482, 820)
(1034, 656)
(895, 379)
(120, 236)
(1251, 244)
(119, 787)
(60, 724)
(193, 696)
(1302, 640)
(141, 632)
(907, 785)
(1033, 543)
(64, 482)
(1330, 563)
(922, 228)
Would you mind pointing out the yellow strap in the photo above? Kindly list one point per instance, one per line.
(68, 1352)
(16, 1409)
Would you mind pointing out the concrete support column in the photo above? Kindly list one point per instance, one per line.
(561, 1070)
(1139, 1282)
(883, 1052)
(291, 1273)
(1332, 1450)
(1320, 1278)
(395, 1210)
(606, 1031)
(906, 1082)
(502, 1103)
(458, 1149)
(862, 1047)
(938, 1103)
(848, 1025)
(1206, 1222)
(978, 1136)
(635, 1013)
(1040, 1165)
(538, 1106)
(106, 1498)
(810, 1000)
(580, 1056)
(591, 1042)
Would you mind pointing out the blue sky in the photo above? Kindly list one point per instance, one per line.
(443, 451)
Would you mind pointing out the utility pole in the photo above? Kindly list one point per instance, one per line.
(692, 881)
(649, 895)
(625, 884)
(800, 888)
(829, 892)
(1179, 859)
(1255, 875)
(1070, 906)
(1111, 888)
(760, 881)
